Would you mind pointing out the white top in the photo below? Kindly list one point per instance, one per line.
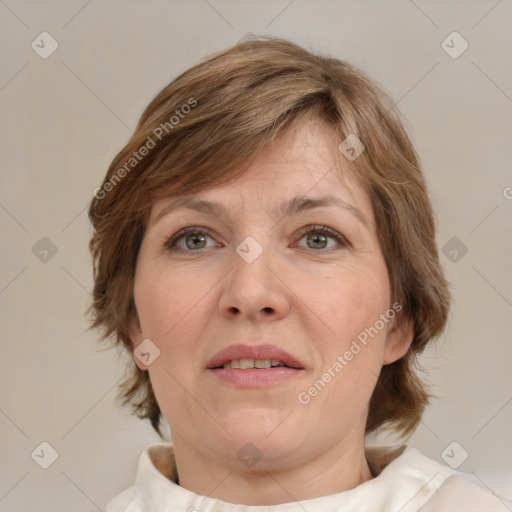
(405, 481)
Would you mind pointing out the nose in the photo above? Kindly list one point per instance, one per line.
(255, 289)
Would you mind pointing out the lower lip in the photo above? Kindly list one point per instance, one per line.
(255, 377)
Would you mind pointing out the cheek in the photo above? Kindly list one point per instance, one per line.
(349, 302)
(173, 308)
(350, 349)
(166, 301)
(170, 308)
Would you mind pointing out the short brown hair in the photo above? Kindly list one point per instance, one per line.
(237, 101)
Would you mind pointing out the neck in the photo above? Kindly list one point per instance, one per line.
(341, 467)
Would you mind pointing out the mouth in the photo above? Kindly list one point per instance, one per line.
(246, 357)
(260, 364)
(254, 365)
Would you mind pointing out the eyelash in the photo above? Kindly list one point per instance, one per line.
(197, 230)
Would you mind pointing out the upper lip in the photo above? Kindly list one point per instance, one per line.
(241, 351)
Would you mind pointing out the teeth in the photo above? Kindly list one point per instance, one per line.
(245, 364)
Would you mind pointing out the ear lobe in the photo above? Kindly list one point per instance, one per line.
(136, 338)
(139, 363)
(398, 340)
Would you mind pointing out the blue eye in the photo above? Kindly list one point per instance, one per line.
(195, 238)
(319, 236)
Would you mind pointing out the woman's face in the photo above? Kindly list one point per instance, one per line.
(278, 271)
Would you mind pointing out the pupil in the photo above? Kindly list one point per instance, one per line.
(195, 238)
(318, 239)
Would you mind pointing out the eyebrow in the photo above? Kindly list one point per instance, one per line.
(295, 206)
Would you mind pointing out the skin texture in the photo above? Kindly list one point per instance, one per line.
(307, 294)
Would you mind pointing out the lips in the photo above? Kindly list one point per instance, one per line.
(254, 352)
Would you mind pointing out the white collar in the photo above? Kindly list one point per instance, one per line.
(405, 481)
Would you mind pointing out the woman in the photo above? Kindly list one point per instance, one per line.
(265, 251)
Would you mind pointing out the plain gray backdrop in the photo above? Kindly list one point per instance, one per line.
(66, 113)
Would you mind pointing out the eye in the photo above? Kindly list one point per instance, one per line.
(318, 237)
(193, 237)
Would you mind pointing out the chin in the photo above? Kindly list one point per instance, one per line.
(265, 430)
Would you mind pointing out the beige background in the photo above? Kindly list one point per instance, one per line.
(65, 117)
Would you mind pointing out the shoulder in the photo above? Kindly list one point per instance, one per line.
(464, 492)
(413, 482)
(156, 471)
(124, 502)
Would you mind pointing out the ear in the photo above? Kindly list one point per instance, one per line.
(398, 340)
(136, 338)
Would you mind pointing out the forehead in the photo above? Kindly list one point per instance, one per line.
(303, 161)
